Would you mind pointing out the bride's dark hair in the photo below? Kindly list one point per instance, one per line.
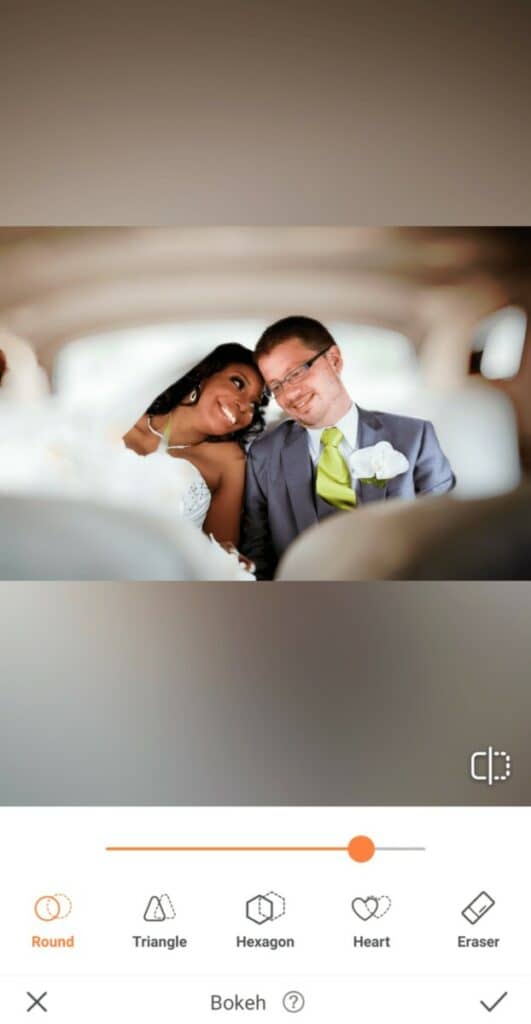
(179, 393)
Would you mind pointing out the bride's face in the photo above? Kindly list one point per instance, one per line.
(229, 399)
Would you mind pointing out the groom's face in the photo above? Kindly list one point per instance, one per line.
(313, 398)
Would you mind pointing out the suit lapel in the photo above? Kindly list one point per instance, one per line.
(297, 469)
(324, 508)
(300, 479)
(370, 431)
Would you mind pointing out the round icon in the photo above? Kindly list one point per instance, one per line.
(293, 1001)
(53, 908)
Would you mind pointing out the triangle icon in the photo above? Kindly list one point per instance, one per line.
(154, 910)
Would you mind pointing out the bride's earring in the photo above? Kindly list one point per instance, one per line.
(194, 395)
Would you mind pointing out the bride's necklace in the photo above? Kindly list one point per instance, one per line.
(169, 446)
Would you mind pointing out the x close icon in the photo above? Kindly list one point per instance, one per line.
(37, 1001)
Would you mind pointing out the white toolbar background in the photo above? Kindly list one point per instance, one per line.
(419, 973)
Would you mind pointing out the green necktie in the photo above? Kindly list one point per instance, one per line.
(333, 476)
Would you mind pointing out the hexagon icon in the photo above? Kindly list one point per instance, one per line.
(265, 908)
(278, 903)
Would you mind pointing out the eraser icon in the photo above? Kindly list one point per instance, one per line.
(477, 909)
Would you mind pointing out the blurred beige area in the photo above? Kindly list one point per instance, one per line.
(434, 285)
(426, 539)
(432, 322)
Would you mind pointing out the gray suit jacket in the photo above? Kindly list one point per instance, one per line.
(280, 499)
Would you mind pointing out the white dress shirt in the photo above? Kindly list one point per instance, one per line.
(348, 425)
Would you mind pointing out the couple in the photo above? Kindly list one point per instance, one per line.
(299, 472)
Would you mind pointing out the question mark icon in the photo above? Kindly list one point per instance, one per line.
(293, 1001)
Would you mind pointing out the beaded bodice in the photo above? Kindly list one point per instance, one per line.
(196, 499)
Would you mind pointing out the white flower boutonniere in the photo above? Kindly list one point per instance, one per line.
(378, 464)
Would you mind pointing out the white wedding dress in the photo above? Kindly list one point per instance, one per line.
(196, 498)
(52, 455)
(74, 450)
(195, 504)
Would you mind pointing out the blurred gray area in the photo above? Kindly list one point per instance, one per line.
(490, 540)
(55, 538)
(353, 694)
(430, 538)
(245, 113)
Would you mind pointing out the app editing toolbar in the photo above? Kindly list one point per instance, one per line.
(203, 914)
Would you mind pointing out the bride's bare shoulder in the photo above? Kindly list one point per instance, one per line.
(225, 451)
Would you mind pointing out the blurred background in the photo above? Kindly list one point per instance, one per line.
(432, 322)
(208, 113)
(157, 694)
(438, 309)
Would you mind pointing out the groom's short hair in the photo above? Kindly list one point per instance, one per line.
(314, 334)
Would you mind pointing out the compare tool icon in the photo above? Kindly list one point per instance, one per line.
(490, 766)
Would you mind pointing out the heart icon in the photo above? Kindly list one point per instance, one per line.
(384, 905)
(365, 909)
(372, 906)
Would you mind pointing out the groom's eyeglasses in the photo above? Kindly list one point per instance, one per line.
(275, 388)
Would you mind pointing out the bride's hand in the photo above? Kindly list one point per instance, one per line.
(228, 546)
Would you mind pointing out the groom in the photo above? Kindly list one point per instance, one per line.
(299, 473)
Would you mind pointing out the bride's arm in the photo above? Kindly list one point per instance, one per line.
(224, 514)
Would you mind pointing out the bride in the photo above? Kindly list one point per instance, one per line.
(205, 418)
(80, 446)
